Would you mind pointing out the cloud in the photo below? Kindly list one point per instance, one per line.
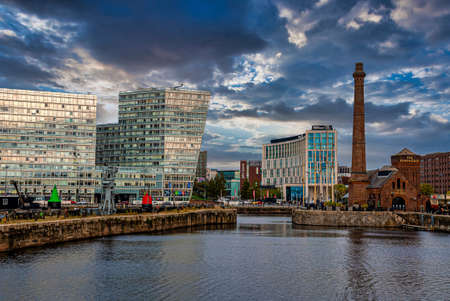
(297, 25)
(274, 67)
(7, 33)
(321, 3)
(361, 13)
(428, 16)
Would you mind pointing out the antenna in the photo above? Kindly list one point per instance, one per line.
(179, 86)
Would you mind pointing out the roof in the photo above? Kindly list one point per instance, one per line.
(287, 139)
(378, 177)
(404, 152)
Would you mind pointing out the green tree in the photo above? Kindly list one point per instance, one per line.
(220, 185)
(255, 187)
(245, 190)
(339, 191)
(199, 190)
(216, 187)
(426, 189)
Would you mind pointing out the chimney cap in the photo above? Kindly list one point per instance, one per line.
(359, 66)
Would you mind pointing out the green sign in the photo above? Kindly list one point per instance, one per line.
(54, 198)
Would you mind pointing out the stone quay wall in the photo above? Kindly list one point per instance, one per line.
(32, 234)
(426, 221)
(264, 210)
(347, 219)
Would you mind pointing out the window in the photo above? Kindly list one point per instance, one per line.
(398, 183)
(403, 185)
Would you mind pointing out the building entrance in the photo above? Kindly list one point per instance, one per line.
(398, 203)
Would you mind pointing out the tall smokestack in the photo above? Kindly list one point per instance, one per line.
(359, 179)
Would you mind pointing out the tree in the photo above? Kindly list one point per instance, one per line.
(245, 190)
(199, 189)
(220, 185)
(339, 191)
(216, 187)
(255, 187)
(426, 189)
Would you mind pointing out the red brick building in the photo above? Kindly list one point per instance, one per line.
(389, 188)
(435, 170)
(250, 171)
(396, 186)
(408, 163)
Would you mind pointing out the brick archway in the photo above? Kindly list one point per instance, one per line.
(398, 203)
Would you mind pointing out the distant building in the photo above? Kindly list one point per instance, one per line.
(201, 165)
(344, 174)
(435, 170)
(304, 167)
(232, 183)
(159, 132)
(47, 139)
(211, 173)
(250, 171)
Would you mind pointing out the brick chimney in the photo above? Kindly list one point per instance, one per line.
(359, 179)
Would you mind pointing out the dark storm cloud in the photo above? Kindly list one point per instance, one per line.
(321, 111)
(203, 43)
(17, 73)
(149, 35)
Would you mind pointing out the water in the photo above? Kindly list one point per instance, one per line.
(262, 258)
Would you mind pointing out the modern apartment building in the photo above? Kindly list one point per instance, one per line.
(304, 167)
(435, 170)
(47, 139)
(158, 129)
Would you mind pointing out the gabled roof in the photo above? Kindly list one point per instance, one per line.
(378, 177)
(404, 152)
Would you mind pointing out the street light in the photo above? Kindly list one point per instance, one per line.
(76, 155)
(6, 176)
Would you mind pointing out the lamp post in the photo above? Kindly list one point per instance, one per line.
(76, 155)
(6, 179)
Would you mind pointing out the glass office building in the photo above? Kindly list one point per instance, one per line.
(304, 167)
(161, 130)
(47, 139)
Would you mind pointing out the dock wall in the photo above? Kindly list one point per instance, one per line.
(264, 210)
(32, 234)
(347, 219)
(385, 219)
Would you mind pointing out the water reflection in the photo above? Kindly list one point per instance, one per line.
(360, 274)
(262, 258)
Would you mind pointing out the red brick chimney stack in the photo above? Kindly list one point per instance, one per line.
(359, 179)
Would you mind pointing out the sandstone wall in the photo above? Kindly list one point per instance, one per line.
(426, 221)
(268, 210)
(347, 218)
(16, 236)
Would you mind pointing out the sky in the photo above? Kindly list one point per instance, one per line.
(274, 67)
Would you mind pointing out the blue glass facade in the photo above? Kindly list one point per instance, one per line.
(161, 129)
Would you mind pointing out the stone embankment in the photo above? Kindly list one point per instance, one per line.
(408, 220)
(17, 236)
(347, 219)
(426, 221)
(264, 210)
